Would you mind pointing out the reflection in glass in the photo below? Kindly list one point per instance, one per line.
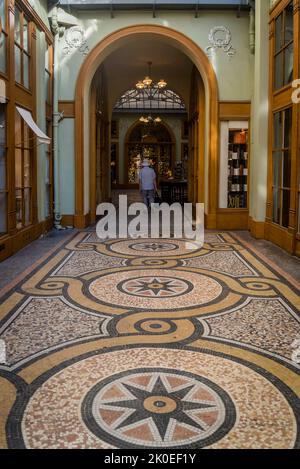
(25, 70)
(25, 35)
(278, 33)
(2, 169)
(276, 205)
(285, 208)
(277, 169)
(27, 204)
(278, 130)
(3, 213)
(17, 26)
(19, 208)
(3, 53)
(278, 71)
(289, 24)
(287, 128)
(17, 64)
(288, 64)
(286, 177)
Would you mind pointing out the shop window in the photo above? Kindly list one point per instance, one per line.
(284, 48)
(23, 173)
(3, 36)
(3, 171)
(281, 164)
(233, 187)
(22, 56)
(49, 171)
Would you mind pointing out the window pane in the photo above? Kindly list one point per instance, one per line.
(278, 130)
(18, 133)
(27, 169)
(285, 208)
(289, 24)
(288, 64)
(276, 168)
(27, 206)
(18, 168)
(276, 205)
(3, 53)
(2, 169)
(3, 213)
(2, 125)
(25, 35)
(25, 70)
(286, 177)
(47, 87)
(17, 64)
(287, 128)
(2, 14)
(279, 71)
(19, 208)
(278, 33)
(17, 26)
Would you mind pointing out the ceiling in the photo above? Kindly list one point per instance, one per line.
(128, 64)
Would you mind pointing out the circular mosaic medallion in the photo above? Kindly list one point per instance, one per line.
(168, 407)
(155, 287)
(135, 288)
(154, 247)
(114, 400)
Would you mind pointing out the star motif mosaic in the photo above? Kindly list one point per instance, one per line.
(155, 287)
(168, 405)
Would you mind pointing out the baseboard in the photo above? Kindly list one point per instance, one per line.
(82, 221)
(257, 228)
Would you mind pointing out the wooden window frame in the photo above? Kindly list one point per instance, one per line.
(283, 48)
(22, 49)
(281, 188)
(21, 146)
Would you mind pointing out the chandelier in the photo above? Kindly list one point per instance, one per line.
(148, 84)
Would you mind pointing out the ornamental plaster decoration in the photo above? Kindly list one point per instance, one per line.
(220, 38)
(75, 39)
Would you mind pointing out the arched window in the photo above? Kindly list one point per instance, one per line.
(150, 98)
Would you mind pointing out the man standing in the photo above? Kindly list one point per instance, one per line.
(148, 186)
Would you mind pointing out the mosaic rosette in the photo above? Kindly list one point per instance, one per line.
(138, 289)
(196, 400)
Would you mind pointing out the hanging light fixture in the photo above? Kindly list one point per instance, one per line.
(148, 84)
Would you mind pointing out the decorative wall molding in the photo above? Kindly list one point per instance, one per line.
(75, 39)
(220, 37)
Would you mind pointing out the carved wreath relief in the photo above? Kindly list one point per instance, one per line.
(75, 39)
(220, 38)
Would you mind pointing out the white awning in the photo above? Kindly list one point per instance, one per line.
(27, 116)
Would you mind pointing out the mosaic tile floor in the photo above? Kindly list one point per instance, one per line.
(147, 344)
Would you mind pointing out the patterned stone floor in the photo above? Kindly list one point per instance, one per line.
(147, 344)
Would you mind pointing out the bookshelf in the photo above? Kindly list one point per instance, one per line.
(234, 165)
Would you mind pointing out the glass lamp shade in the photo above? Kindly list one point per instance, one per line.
(162, 83)
(157, 120)
(140, 85)
(147, 81)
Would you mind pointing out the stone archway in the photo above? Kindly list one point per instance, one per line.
(102, 50)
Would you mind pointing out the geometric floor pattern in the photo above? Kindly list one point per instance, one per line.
(150, 344)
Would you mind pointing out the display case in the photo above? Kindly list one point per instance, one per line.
(234, 164)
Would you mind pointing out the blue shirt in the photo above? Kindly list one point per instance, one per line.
(147, 178)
